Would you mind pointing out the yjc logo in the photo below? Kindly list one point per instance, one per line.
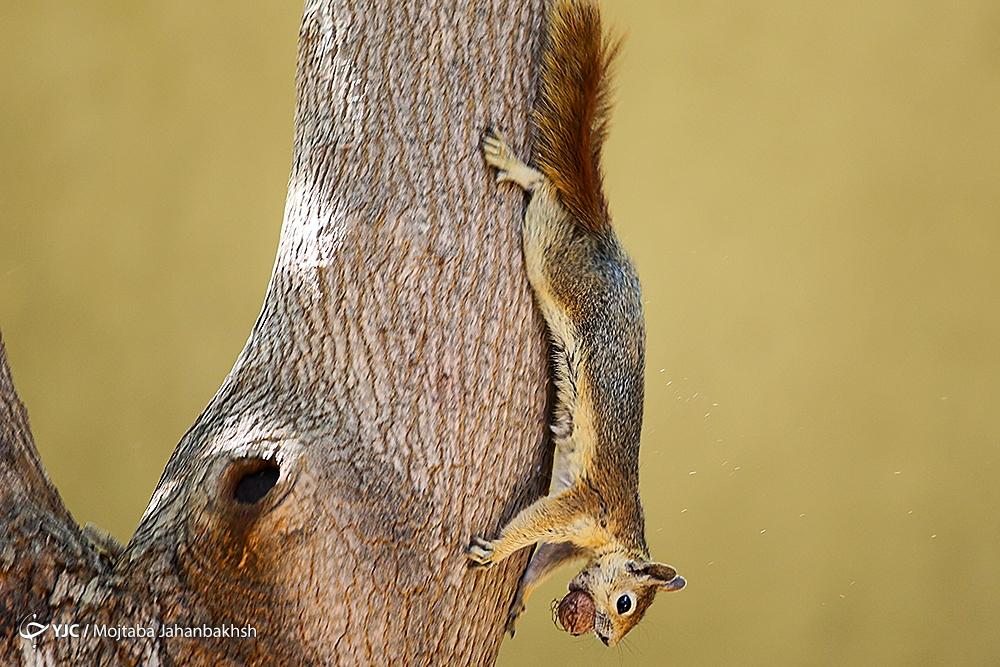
(30, 629)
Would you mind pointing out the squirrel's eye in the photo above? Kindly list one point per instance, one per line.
(624, 604)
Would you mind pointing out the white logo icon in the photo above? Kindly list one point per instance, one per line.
(30, 629)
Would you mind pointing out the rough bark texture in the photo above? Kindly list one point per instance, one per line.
(395, 380)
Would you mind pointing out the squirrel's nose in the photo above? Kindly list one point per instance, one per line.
(603, 638)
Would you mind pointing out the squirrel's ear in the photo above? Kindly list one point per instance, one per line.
(662, 575)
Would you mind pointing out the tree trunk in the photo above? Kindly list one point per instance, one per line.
(390, 401)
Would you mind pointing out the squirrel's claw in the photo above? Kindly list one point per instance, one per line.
(494, 139)
(480, 552)
(512, 616)
(509, 168)
(496, 152)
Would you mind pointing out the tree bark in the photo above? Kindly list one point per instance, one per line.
(390, 400)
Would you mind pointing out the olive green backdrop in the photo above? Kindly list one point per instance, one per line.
(810, 192)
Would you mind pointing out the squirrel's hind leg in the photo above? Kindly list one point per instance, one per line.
(509, 168)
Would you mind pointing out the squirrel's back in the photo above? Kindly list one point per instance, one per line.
(574, 107)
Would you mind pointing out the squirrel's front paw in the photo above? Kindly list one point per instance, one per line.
(480, 552)
(513, 614)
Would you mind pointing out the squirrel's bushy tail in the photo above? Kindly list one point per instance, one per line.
(574, 108)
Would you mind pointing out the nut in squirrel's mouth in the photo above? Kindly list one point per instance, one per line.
(577, 613)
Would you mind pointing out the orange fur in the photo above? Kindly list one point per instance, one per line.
(574, 109)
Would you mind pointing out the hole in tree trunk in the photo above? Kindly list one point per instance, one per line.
(253, 479)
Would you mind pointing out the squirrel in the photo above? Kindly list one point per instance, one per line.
(588, 292)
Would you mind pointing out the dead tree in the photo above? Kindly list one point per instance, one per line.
(390, 400)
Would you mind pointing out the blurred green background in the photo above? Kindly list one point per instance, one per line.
(810, 192)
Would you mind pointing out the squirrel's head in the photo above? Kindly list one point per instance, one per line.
(622, 587)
